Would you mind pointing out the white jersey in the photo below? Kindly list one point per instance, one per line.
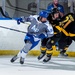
(37, 27)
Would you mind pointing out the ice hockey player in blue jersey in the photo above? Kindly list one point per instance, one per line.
(37, 30)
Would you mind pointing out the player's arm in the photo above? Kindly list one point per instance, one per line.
(24, 19)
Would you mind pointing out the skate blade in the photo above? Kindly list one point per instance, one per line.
(41, 59)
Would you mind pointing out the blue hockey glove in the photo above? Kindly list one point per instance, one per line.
(42, 36)
(22, 19)
(19, 20)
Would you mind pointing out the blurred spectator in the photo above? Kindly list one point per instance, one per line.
(56, 4)
(71, 5)
(32, 5)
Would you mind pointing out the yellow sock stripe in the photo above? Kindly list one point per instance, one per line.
(43, 48)
(66, 48)
(54, 47)
(49, 51)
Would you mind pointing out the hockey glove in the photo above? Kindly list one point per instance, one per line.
(22, 19)
(42, 36)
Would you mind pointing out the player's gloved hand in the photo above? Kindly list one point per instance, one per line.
(19, 20)
(42, 36)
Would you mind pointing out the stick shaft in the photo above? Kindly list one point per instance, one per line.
(13, 29)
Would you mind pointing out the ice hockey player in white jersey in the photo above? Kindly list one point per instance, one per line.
(37, 30)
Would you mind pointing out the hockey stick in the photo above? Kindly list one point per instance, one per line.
(1, 10)
(13, 29)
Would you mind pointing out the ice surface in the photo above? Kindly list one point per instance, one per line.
(57, 66)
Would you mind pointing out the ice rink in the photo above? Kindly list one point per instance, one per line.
(57, 66)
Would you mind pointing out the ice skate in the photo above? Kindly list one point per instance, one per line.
(41, 56)
(63, 55)
(21, 60)
(47, 58)
(14, 58)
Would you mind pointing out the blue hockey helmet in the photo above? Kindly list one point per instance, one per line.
(44, 14)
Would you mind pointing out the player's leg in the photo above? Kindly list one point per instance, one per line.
(51, 42)
(25, 51)
(43, 48)
(64, 43)
(22, 54)
(30, 43)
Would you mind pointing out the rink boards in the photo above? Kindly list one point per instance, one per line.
(12, 41)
